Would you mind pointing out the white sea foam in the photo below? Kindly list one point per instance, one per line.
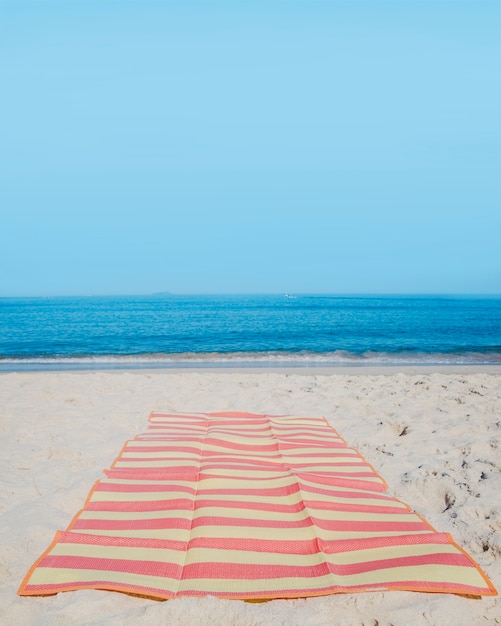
(249, 359)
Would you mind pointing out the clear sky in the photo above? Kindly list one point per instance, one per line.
(261, 146)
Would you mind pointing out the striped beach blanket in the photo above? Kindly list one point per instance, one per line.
(251, 507)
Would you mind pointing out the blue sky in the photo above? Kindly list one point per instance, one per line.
(265, 146)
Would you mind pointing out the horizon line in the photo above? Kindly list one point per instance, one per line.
(341, 294)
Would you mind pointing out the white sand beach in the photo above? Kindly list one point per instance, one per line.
(433, 434)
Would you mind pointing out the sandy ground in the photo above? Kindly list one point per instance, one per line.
(434, 437)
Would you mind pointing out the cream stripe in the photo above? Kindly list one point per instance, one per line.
(130, 454)
(204, 555)
(246, 439)
(248, 532)
(296, 419)
(250, 473)
(194, 555)
(345, 469)
(49, 576)
(362, 517)
(236, 532)
(185, 513)
(230, 453)
(167, 463)
(294, 498)
(308, 456)
(388, 552)
(275, 481)
(298, 497)
(429, 574)
(168, 434)
(265, 455)
(318, 497)
(334, 535)
(135, 515)
(425, 573)
(263, 585)
(333, 452)
(154, 496)
(182, 441)
(242, 497)
(162, 555)
(311, 483)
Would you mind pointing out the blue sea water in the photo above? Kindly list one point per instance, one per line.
(260, 330)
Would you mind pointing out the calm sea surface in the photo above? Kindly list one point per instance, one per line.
(168, 331)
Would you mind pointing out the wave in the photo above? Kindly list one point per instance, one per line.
(247, 359)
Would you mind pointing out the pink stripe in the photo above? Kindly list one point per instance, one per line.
(297, 428)
(238, 462)
(161, 569)
(188, 505)
(214, 455)
(141, 524)
(155, 505)
(370, 543)
(250, 571)
(345, 494)
(249, 430)
(151, 474)
(334, 463)
(139, 488)
(301, 442)
(357, 508)
(265, 473)
(173, 436)
(71, 537)
(368, 527)
(172, 449)
(219, 433)
(243, 479)
(341, 482)
(174, 471)
(309, 546)
(456, 560)
(274, 491)
(239, 416)
(244, 571)
(209, 520)
(135, 459)
(299, 547)
(230, 445)
(276, 419)
(191, 434)
(322, 455)
(355, 476)
(251, 506)
(207, 467)
(237, 425)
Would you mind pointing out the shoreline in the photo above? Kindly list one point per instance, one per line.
(433, 435)
(312, 370)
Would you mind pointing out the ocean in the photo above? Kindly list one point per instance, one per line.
(161, 331)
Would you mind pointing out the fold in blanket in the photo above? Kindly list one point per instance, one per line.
(252, 507)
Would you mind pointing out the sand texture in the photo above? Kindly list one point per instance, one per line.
(434, 437)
